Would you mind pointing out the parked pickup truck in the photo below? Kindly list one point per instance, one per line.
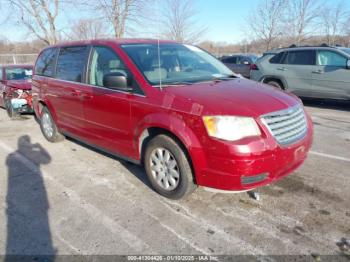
(15, 88)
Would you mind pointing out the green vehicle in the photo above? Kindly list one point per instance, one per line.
(317, 72)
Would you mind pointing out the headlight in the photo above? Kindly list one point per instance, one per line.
(231, 128)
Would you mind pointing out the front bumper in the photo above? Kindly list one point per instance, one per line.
(234, 172)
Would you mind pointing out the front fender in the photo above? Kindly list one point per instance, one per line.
(175, 124)
(38, 109)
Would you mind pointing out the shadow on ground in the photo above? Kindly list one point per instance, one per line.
(340, 105)
(28, 229)
(134, 169)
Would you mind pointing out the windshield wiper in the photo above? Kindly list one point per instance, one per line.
(223, 78)
(176, 83)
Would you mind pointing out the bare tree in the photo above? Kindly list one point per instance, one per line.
(121, 15)
(346, 30)
(88, 29)
(39, 17)
(332, 21)
(179, 20)
(302, 17)
(266, 22)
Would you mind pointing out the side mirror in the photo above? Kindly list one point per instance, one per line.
(348, 64)
(116, 81)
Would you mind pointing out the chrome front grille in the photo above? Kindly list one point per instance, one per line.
(287, 126)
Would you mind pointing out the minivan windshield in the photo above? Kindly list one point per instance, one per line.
(18, 73)
(176, 63)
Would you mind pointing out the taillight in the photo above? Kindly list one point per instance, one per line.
(254, 67)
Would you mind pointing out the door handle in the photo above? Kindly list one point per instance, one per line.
(282, 68)
(317, 72)
(75, 93)
(86, 96)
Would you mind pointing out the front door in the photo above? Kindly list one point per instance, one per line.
(107, 111)
(243, 66)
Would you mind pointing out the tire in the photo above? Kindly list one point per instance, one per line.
(275, 84)
(48, 127)
(160, 154)
(9, 109)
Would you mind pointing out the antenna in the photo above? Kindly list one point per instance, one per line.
(159, 71)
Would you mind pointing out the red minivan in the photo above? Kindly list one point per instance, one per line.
(173, 108)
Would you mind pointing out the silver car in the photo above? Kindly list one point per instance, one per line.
(319, 72)
(240, 64)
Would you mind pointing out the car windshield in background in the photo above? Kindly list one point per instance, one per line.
(175, 64)
(253, 58)
(18, 73)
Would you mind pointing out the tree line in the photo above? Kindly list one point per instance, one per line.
(276, 22)
(271, 23)
(172, 19)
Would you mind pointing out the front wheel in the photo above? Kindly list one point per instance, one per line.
(275, 84)
(168, 168)
(48, 127)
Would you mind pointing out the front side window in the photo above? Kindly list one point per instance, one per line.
(71, 63)
(329, 58)
(303, 57)
(104, 62)
(46, 63)
(175, 63)
(18, 73)
(1, 78)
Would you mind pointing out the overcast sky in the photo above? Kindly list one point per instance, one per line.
(225, 19)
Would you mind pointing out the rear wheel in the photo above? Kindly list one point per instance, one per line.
(168, 168)
(275, 84)
(48, 127)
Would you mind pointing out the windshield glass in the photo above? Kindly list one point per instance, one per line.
(254, 58)
(18, 73)
(176, 64)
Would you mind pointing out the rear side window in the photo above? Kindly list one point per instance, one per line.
(302, 57)
(45, 65)
(1, 74)
(329, 58)
(230, 60)
(278, 58)
(71, 63)
(244, 60)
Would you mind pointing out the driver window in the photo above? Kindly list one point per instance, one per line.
(104, 61)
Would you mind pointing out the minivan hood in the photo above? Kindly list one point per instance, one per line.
(240, 97)
(20, 84)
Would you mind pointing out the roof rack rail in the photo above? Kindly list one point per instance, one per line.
(321, 45)
(302, 46)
